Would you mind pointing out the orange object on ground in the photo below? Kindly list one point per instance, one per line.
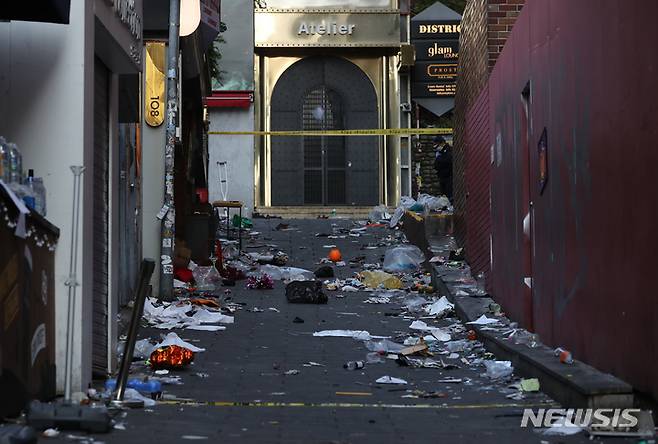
(472, 336)
(171, 357)
(205, 301)
(334, 255)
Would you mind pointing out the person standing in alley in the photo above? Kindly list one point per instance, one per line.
(443, 165)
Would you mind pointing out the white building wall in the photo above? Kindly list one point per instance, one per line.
(45, 70)
(238, 151)
(153, 142)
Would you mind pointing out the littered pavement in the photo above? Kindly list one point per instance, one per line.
(237, 390)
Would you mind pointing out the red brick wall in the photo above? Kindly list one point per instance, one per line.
(485, 27)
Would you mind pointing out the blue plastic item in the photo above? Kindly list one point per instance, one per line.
(150, 386)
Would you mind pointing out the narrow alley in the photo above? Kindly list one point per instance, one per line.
(267, 378)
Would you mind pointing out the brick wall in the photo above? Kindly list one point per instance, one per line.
(485, 27)
(423, 154)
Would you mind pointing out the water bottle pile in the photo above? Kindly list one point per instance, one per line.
(27, 187)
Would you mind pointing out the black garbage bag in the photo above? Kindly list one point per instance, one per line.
(305, 292)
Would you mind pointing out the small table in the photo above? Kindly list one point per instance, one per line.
(228, 204)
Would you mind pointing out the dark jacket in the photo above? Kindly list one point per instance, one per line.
(443, 161)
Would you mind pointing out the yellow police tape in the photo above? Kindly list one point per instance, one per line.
(353, 132)
(192, 403)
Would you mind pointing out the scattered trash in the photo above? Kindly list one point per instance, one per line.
(174, 339)
(361, 335)
(334, 254)
(50, 433)
(298, 320)
(450, 381)
(403, 258)
(564, 355)
(414, 349)
(530, 385)
(562, 427)
(484, 320)
(131, 394)
(390, 380)
(262, 282)
(291, 372)
(313, 364)
(353, 365)
(415, 303)
(171, 357)
(379, 213)
(378, 300)
(324, 271)
(498, 369)
(384, 346)
(374, 358)
(374, 279)
(305, 292)
(440, 308)
(194, 437)
(207, 278)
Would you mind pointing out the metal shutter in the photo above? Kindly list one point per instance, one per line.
(100, 211)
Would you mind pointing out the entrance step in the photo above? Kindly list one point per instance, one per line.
(313, 212)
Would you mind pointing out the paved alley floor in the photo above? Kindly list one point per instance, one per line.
(238, 389)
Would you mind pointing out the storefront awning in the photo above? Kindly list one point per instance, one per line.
(230, 99)
(47, 11)
(438, 106)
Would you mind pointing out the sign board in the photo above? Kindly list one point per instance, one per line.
(429, 90)
(294, 28)
(435, 30)
(437, 50)
(437, 53)
(154, 84)
(432, 72)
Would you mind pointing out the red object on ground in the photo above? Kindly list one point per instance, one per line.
(183, 274)
(171, 357)
(334, 255)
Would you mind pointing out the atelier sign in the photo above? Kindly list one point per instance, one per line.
(325, 29)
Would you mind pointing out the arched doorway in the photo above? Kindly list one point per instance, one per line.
(324, 93)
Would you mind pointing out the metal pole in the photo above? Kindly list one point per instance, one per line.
(72, 281)
(168, 228)
(148, 265)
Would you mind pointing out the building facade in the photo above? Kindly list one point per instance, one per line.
(570, 166)
(317, 65)
(66, 94)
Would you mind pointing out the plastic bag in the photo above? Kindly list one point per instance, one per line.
(379, 213)
(498, 369)
(403, 258)
(397, 215)
(384, 346)
(433, 202)
(374, 279)
(415, 303)
(207, 278)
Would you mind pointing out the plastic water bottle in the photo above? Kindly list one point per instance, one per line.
(40, 192)
(4, 160)
(15, 164)
(353, 365)
(564, 355)
(30, 196)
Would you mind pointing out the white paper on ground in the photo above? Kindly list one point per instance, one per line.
(562, 426)
(436, 332)
(206, 327)
(361, 335)
(390, 380)
(173, 310)
(440, 307)
(204, 316)
(174, 339)
(484, 320)
(131, 393)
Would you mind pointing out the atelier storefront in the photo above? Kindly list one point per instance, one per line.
(320, 68)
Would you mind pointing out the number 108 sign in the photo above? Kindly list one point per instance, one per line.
(154, 88)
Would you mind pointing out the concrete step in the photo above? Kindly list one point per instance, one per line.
(312, 212)
(576, 385)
